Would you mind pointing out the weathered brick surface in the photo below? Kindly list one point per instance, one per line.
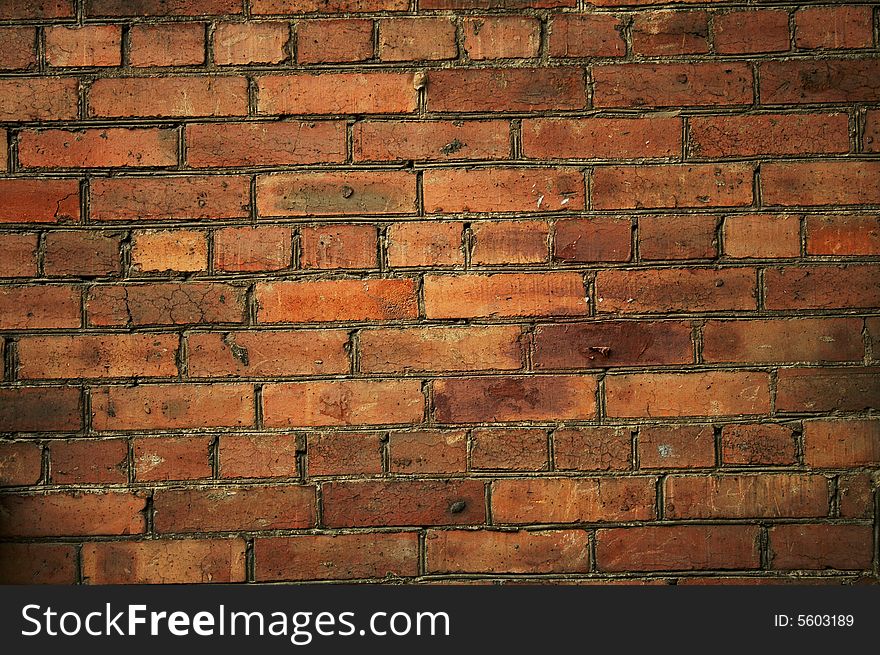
(467, 291)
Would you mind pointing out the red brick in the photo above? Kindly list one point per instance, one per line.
(659, 33)
(820, 183)
(335, 40)
(592, 35)
(432, 140)
(698, 393)
(751, 31)
(605, 239)
(97, 148)
(37, 564)
(650, 187)
(819, 80)
(689, 236)
(28, 9)
(231, 509)
(856, 494)
(258, 456)
(503, 190)
(506, 399)
(843, 235)
(768, 134)
(19, 48)
(671, 85)
(342, 402)
(172, 458)
(4, 151)
(762, 236)
(116, 8)
(425, 243)
(872, 327)
(336, 300)
(757, 444)
(251, 43)
(39, 307)
(510, 242)
(495, 4)
(338, 246)
(18, 255)
(505, 294)
(169, 96)
(73, 513)
(601, 138)
(253, 249)
(872, 131)
(678, 548)
(21, 463)
(39, 201)
(90, 45)
(39, 99)
(410, 39)
(573, 500)
(444, 349)
(83, 254)
(675, 290)
(212, 145)
(676, 446)
(501, 37)
(89, 461)
(94, 356)
(506, 89)
(784, 340)
(592, 449)
(172, 406)
(606, 344)
(834, 28)
(163, 561)
(404, 502)
(267, 353)
(337, 93)
(763, 495)
(171, 44)
(172, 198)
(484, 551)
(344, 453)
(336, 193)
(427, 451)
(337, 556)
(810, 287)
(160, 251)
(41, 409)
(816, 390)
(509, 450)
(821, 546)
(841, 444)
(165, 303)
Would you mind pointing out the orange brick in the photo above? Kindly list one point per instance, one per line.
(593, 449)
(677, 446)
(73, 513)
(425, 243)
(39, 201)
(757, 444)
(659, 33)
(18, 255)
(430, 140)
(258, 456)
(172, 458)
(33, 98)
(159, 251)
(409, 39)
(339, 246)
(39, 307)
(19, 48)
(21, 463)
(843, 235)
(601, 138)
(336, 93)
(833, 27)
(751, 31)
(250, 43)
(98, 148)
(428, 451)
(501, 37)
(90, 45)
(253, 248)
(89, 461)
(841, 443)
(38, 564)
(605, 239)
(344, 453)
(171, 44)
(215, 95)
(510, 242)
(335, 40)
(590, 35)
(510, 450)
(690, 236)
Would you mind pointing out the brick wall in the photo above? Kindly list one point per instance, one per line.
(449, 289)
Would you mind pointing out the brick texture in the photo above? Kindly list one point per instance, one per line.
(493, 291)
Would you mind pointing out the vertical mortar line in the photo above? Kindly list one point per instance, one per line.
(125, 45)
(774, 375)
(249, 563)
(12, 150)
(80, 11)
(252, 96)
(719, 236)
(251, 303)
(588, 200)
(258, 406)
(130, 460)
(376, 53)
(181, 146)
(125, 253)
(802, 235)
(292, 45)
(867, 343)
(45, 465)
(600, 397)
(41, 253)
(86, 395)
(551, 241)
(246, 10)
(760, 292)
(590, 291)
(296, 244)
(78, 564)
(349, 141)
(516, 147)
(41, 49)
(634, 446)
(382, 248)
(209, 241)
(420, 295)
(385, 453)
(798, 436)
(527, 343)
(634, 239)
(428, 393)
(468, 241)
(589, 92)
(877, 532)
(150, 513)
(697, 337)
(353, 347)
(756, 85)
(857, 118)
(209, 50)
(10, 360)
(717, 434)
(757, 196)
(685, 137)
(214, 457)
(423, 553)
(488, 500)
(252, 210)
(181, 357)
(301, 454)
(82, 98)
(544, 38)
(420, 193)
(551, 449)
(591, 550)
(319, 505)
(834, 496)
(764, 547)
(85, 197)
(661, 497)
